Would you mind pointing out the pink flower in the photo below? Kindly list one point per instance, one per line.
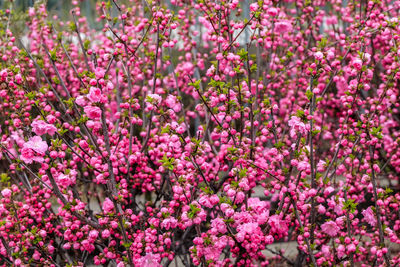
(254, 7)
(3, 74)
(330, 228)
(278, 225)
(93, 234)
(18, 78)
(297, 125)
(283, 26)
(149, 260)
(154, 99)
(218, 225)
(6, 193)
(40, 128)
(94, 94)
(248, 228)
(325, 250)
(33, 150)
(80, 100)
(65, 180)
(27, 155)
(108, 205)
(172, 103)
(357, 63)
(105, 234)
(256, 204)
(92, 112)
(169, 223)
(37, 144)
(272, 11)
(319, 56)
(369, 216)
(99, 72)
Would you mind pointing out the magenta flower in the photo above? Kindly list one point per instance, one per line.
(6, 193)
(279, 226)
(37, 144)
(297, 125)
(33, 150)
(92, 112)
(40, 128)
(94, 94)
(80, 100)
(108, 205)
(330, 228)
(369, 216)
(283, 26)
(149, 260)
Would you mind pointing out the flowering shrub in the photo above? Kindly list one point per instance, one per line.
(202, 131)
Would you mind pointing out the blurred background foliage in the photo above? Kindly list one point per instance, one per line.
(61, 8)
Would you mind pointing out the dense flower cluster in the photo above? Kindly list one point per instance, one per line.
(203, 132)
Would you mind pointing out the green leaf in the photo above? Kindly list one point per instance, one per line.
(309, 94)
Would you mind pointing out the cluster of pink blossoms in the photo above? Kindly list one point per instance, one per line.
(208, 133)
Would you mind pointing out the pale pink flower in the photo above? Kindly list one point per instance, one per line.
(248, 228)
(169, 223)
(3, 74)
(65, 180)
(93, 234)
(18, 78)
(325, 250)
(338, 209)
(33, 150)
(369, 216)
(31, 11)
(256, 204)
(330, 228)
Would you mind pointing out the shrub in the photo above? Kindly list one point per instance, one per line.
(202, 131)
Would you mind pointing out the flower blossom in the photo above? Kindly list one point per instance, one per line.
(94, 94)
(108, 205)
(149, 260)
(172, 103)
(40, 128)
(92, 112)
(278, 225)
(6, 193)
(330, 228)
(369, 216)
(283, 26)
(33, 150)
(297, 125)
